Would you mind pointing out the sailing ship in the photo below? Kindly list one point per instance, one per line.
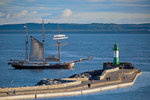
(37, 58)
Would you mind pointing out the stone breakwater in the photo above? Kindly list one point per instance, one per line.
(92, 75)
(52, 82)
(88, 74)
(78, 86)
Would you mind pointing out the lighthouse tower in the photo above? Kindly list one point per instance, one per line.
(116, 55)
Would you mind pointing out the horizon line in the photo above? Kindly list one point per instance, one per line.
(75, 23)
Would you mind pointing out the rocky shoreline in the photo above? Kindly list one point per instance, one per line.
(52, 82)
(89, 74)
(93, 75)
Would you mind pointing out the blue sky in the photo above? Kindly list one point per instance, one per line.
(75, 11)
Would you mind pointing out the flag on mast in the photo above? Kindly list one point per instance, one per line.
(25, 25)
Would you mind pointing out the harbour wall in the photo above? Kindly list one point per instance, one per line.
(76, 81)
(71, 93)
(41, 87)
(108, 71)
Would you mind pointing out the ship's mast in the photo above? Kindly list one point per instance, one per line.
(26, 58)
(43, 41)
(59, 47)
(59, 37)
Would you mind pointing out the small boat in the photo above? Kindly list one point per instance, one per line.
(37, 58)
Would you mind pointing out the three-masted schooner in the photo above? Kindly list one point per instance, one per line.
(37, 58)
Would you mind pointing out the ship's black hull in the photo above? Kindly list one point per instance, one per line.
(21, 64)
(54, 66)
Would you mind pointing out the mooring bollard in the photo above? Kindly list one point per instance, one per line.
(89, 85)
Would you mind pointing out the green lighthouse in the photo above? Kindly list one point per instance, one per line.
(116, 55)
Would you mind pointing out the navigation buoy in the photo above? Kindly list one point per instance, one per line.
(116, 55)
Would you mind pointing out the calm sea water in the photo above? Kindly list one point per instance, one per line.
(134, 48)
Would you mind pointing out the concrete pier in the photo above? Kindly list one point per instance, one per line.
(110, 79)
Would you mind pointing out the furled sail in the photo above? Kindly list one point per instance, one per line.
(36, 52)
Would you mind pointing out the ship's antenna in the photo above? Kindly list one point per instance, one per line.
(27, 59)
(43, 41)
(59, 47)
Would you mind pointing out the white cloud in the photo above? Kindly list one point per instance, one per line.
(21, 14)
(96, 0)
(1, 14)
(5, 2)
(34, 12)
(115, 0)
(42, 8)
(127, 1)
(105, 17)
(82, 17)
(67, 13)
(138, 5)
(31, 0)
(31, 14)
(8, 16)
(111, 17)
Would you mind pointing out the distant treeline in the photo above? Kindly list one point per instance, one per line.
(78, 28)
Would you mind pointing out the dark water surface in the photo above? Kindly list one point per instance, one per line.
(134, 48)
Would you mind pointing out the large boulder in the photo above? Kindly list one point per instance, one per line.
(52, 82)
